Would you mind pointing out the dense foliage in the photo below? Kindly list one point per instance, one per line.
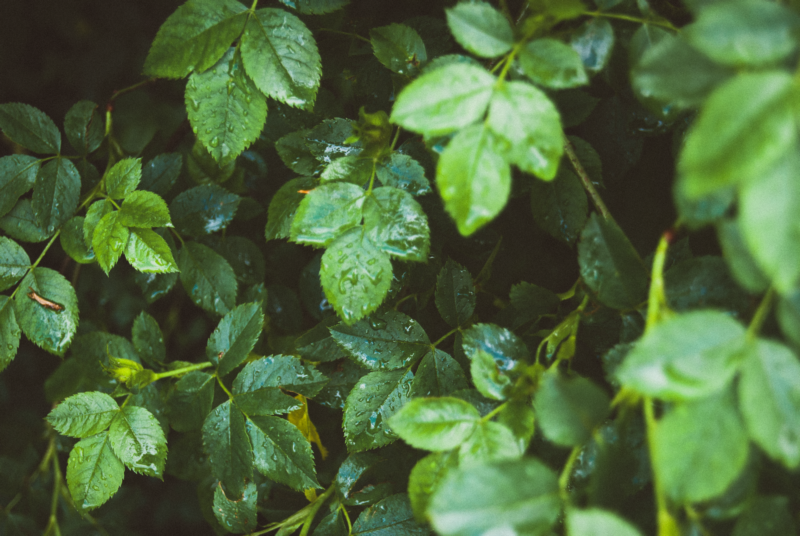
(397, 270)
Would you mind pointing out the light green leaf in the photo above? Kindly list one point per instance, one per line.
(281, 453)
(109, 240)
(398, 47)
(84, 127)
(332, 139)
(373, 400)
(138, 441)
(56, 193)
(94, 473)
(9, 332)
(402, 171)
(161, 173)
(30, 127)
(740, 260)
(227, 444)
(355, 275)
(237, 514)
(148, 252)
(123, 177)
(315, 7)
(490, 442)
(191, 401)
(769, 398)
(480, 29)
(700, 448)
(444, 100)
(84, 414)
(283, 206)
(552, 64)
(436, 424)
(350, 168)
(594, 41)
(569, 409)
(326, 212)
(72, 241)
(96, 211)
(51, 330)
(17, 176)
(203, 209)
(234, 337)
(560, 207)
(144, 209)
(686, 356)
(280, 371)
(488, 378)
(724, 149)
(597, 522)
(396, 224)
(425, 478)
(148, 340)
(473, 178)
(207, 278)
(14, 262)
(513, 497)
(518, 416)
(280, 55)
(390, 516)
(438, 374)
(455, 294)
(194, 37)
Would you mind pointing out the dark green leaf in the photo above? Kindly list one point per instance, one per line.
(704, 282)
(501, 344)
(155, 286)
(317, 344)
(204, 169)
(296, 155)
(237, 514)
(161, 173)
(552, 64)
(279, 371)
(480, 29)
(373, 400)
(425, 478)
(332, 139)
(56, 193)
(30, 127)
(203, 209)
(569, 409)
(560, 207)
(234, 337)
(403, 172)
(227, 444)
(283, 206)
(21, 224)
(326, 212)
(245, 258)
(14, 262)
(207, 278)
(148, 252)
(194, 37)
(109, 240)
(191, 401)
(17, 176)
(84, 127)
(51, 330)
(94, 473)
(436, 424)
(438, 374)
(788, 313)
(315, 7)
(610, 265)
(9, 332)
(281, 57)
(396, 224)
(532, 301)
(84, 414)
(350, 168)
(73, 243)
(597, 522)
(138, 441)
(398, 47)
(455, 294)
(390, 517)
(144, 209)
(148, 339)
(593, 41)
(281, 453)
(343, 376)
(766, 516)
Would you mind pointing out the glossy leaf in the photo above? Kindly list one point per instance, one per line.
(281, 57)
(30, 127)
(597, 522)
(398, 47)
(551, 63)
(438, 374)
(109, 240)
(332, 139)
(17, 176)
(144, 209)
(84, 414)
(488, 378)
(73, 243)
(84, 127)
(51, 330)
(403, 172)
(148, 339)
(501, 344)
(286, 372)
(148, 252)
(138, 441)
(96, 211)
(396, 224)
(123, 178)
(227, 444)
(317, 344)
(234, 337)
(455, 294)
(14, 262)
(237, 514)
(480, 29)
(390, 516)
(22, 224)
(569, 409)
(9, 332)
(281, 453)
(207, 278)
(191, 401)
(326, 212)
(55, 194)
(373, 400)
(283, 206)
(594, 41)
(436, 424)
(351, 168)
(560, 207)
(161, 173)
(94, 473)
(203, 209)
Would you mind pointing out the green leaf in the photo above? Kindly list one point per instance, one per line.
(532, 301)
(788, 313)
(686, 356)
(501, 344)
(517, 496)
(84, 414)
(94, 473)
(17, 176)
(391, 516)
(226, 109)
(123, 178)
(14, 262)
(569, 409)
(403, 172)
(237, 514)
(396, 224)
(350, 168)
(161, 173)
(560, 207)
(191, 401)
(21, 224)
(203, 209)
(84, 127)
(398, 47)
(148, 340)
(517, 415)
(96, 211)
(227, 444)
(455, 294)
(315, 7)
(283, 206)
(742, 34)
(30, 127)
(490, 442)
(425, 478)
(594, 41)
(109, 240)
(207, 278)
(444, 100)
(373, 400)
(280, 55)
(194, 37)
(384, 341)
(480, 29)
(355, 275)
(56, 193)
(326, 212)
(280, 371)
(281, 453)
(148, 252)
(296, 155)
(724, 149)
(9, 332)
(769, 398)
(704, 282)
(234, 337)
(245, 258)
(138, 441)
(700, 448)
(741, 262)
(552, 64)
(332, 139)
(597, 522)
(436, 424)
(48, 329)
(766, 516)
(317, 344)
(610, 266)
(488, 378)
(473, 178)
(438, 374)
(73, 243)
(144, 209)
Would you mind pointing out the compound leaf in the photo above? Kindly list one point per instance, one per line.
(109, 240)
(280, 371)
(144, 209)
(123, 177)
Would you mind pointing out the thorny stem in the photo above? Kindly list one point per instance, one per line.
(183, 370)
(761, 314)
(586, 180)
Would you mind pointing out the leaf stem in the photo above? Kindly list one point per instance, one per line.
(183, 370)
(667, 525)
(628, 18)
(344, 33)
(588, 185)
(761, 314)
(564, 478)
(489, 416)
(346, 518)
(219, 381)
(131, 88)
(657, 298)
(315, 506)
(443, 337)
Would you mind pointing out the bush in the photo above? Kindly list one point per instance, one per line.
(385, 275)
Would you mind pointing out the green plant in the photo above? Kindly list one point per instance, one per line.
(376, 384)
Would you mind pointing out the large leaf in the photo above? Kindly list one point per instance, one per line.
(53, 324)
(480, 29)
(396, 224)
(208, 278)
(17, 176)
(326, 212)
(281, 453)
(56, 193)
(569, 409)
(398, 47)
(203, 209)
(227, 444)
(390, 516)
(455, 294)
(373, 400)
(191, 401)
(436, 424)
(84, 414)
(30, 127)
(94, 473)
(138, 441)
(237, 514)
(14, 262)
(560, 207)
(21, 224)
(195, 37)
(234, 337)
(281, 57)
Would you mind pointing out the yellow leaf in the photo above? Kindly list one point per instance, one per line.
(300, 418)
